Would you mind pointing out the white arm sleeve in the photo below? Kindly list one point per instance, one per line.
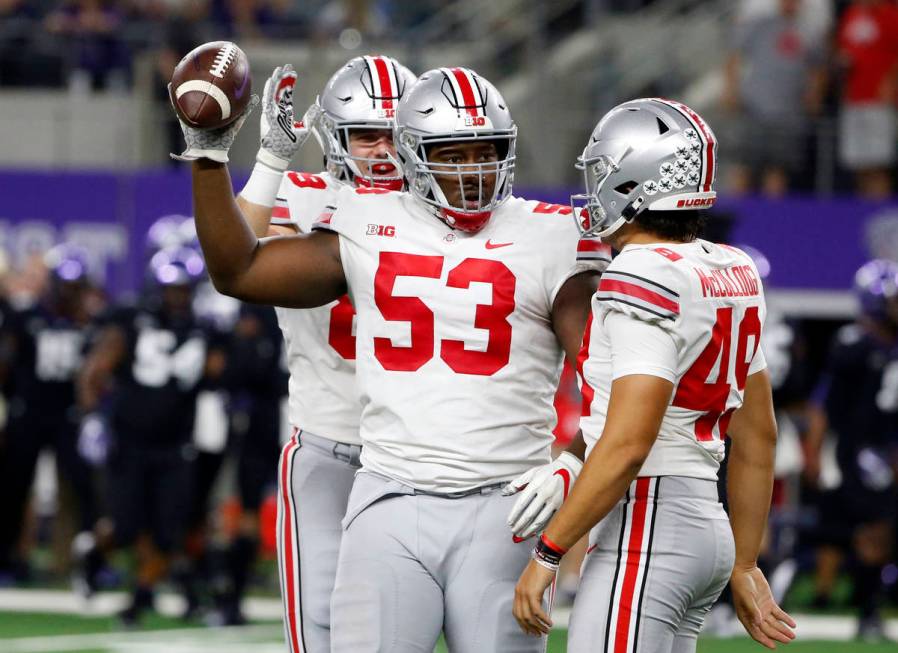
(639, 347)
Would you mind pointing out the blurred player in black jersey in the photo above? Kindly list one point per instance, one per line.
(42, 351)
(257, 381)
(858, 399)
(143, 374)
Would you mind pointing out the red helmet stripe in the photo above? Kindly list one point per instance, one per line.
(710, 145)
(386, 84)
(466, 87)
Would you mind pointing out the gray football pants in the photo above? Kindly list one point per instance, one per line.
(654, 568)
(314, 479)
(412, 565)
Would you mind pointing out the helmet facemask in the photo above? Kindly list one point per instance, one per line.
(593, 218)
(424, 177)
(334, 138)
(363, 95)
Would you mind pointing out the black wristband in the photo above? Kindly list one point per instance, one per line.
(547, 553)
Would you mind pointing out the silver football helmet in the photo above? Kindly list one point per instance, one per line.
(455, 105)
(363, 94)
(647, 154)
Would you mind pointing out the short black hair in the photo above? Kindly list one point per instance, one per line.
(678, 226)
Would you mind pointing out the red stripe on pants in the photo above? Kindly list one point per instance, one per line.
(634, 555)
(289, 587)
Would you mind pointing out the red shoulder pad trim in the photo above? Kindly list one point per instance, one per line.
(307, 180)
(668, 253)
(546, 207)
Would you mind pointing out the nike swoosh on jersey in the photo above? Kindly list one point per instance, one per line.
(490, 245)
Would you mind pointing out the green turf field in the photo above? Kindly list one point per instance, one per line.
(29, 632)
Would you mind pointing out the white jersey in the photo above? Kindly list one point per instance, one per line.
(457, 359)
(690, 313)
(319, 342)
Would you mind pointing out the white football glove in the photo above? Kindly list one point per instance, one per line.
(211, 143)
(282, 136)
(543, 489)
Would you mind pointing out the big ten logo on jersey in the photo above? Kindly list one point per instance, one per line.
(386, 230)
(58, 354)
(488, 285)
(158, 359)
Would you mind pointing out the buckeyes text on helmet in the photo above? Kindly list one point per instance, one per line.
(361, 97)
(456, 112)
(647, 154)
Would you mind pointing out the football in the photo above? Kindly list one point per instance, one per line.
(211, 85)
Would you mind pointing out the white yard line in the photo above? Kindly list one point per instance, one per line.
(108, 603)
(264, 639)
(235, 639)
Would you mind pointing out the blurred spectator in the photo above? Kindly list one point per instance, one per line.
(815, 16)
(868, 50)
(336, 16)
(28, 55)
(774, 84)
(99, 56)
(244, 20)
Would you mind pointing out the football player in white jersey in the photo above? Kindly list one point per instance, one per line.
(352, 119)
(466, 300)
(671, 366)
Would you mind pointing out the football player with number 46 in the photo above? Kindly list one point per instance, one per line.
(671, 365)
(466, 300)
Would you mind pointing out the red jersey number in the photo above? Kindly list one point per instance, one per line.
(405, 309)
(695, 392)
(306, 180)
(339, 335)
(491, 317)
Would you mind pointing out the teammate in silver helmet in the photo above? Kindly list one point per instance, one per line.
(464, 314)
(429, 132)
(357, 105)
(673, 366)
(624, 174)
(352, 120)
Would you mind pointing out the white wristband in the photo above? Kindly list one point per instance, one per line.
(263, 184)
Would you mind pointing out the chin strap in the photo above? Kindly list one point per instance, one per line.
(632, 208)
(465, 221)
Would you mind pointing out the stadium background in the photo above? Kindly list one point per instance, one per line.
(86, 130)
